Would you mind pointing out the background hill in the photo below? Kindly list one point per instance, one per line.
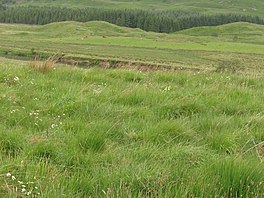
(254, 7)
(156, 16)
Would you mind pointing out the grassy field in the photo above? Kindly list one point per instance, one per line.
(203, 48)
(253, 7)
(177, 115)
(73, 132)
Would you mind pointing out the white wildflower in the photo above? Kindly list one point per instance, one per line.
(23, 190)
(28, 193)
(16, 78)
(13, 178)
(20, 182)
(8, 174)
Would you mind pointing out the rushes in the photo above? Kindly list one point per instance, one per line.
(43, 66)
(120, 133)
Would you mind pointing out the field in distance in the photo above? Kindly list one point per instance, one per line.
(201, 48)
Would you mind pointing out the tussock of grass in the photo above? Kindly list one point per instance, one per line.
(121, 133)
(43, 66)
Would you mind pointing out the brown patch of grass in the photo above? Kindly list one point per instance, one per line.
(43, 66)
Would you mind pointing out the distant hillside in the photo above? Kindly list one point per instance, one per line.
(251, 7)
(148, 20)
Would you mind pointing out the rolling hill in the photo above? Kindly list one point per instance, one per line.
(198, 48)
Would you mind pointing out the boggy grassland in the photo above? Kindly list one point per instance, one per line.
(177, 115)
(72, 132)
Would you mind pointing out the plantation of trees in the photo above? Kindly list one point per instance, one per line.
(158, 21)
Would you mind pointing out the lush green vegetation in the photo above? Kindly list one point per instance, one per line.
(156, 21)
(150, 15)
(145, 114)
(118, 133)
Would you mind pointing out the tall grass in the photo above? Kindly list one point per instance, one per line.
(118, 133)
(43, 66)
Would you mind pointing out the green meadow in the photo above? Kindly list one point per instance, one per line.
(120, 112)
(73, 132)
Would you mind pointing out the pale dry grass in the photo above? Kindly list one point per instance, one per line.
(43, 66)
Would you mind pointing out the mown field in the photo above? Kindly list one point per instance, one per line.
(253, 7)
(205, 48)
(72, 132)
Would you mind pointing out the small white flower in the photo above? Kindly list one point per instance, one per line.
(28, 193)
(23, 186)
(53, 126)
(20, 182)
(16, 78)
(36, 187)
(23, 190)
(8, 174)
(13, 178)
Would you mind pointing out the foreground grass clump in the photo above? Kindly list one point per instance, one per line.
(116, 133)
(43, 66)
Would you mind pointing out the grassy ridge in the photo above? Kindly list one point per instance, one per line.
(119, 133)
(253, 7)
(208, 48)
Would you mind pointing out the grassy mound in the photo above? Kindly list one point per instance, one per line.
(239, 29)
(92, 27)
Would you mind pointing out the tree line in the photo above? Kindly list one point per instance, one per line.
(156, 21)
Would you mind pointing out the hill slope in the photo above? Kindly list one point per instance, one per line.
(161, 19)
(254, 7)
